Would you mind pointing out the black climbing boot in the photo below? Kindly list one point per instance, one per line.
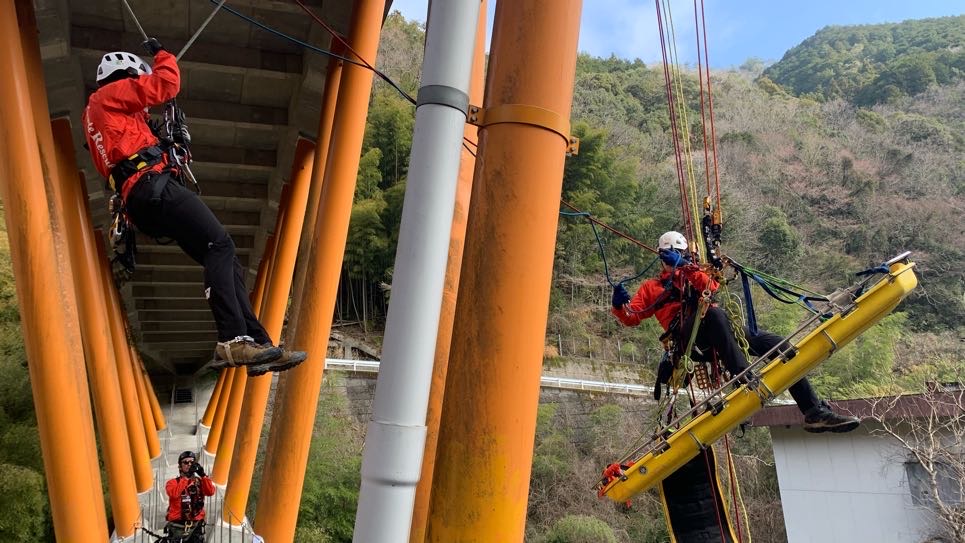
(820, 418)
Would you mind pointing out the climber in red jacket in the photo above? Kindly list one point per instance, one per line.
(186, 494)
(662, 298)
(137, 166)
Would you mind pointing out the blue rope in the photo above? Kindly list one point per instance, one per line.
(871, 271)
(599, 242)
(314, 49)
(749, 303)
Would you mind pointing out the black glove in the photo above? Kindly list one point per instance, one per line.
(181, 135)
(672, 258)
(620, 296)
(156, 126)
(197, 469)
(152, 46)
(664, 372)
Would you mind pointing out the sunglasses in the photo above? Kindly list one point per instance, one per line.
(187, 461)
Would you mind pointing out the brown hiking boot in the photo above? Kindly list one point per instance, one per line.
(243, 351)
(287, 361)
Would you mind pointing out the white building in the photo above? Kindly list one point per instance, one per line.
(862, 485)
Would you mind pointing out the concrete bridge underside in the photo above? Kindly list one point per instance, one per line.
(248, 94)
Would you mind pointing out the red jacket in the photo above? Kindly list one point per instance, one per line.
(116, 116)
(178, 486)
(644, 303)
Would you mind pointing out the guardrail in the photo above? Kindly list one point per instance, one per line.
(372, 366)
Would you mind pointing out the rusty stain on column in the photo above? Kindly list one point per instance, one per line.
(217, 424)
(144, 405)
(208, 416)
(238, 391)
(140, 456)
(484, 456)
(296, 403)
(45, 292)
(272, 317)
(101, 369)
(453, 268)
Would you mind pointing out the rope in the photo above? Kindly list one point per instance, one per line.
(690, 178)
(673, 120)
(710, 99)
(735, 487)
(157, 537)
(599, 242)
(611, 229)
(362, 63)
(199, 30)
(703, 116)
(749, 302)
(310, 47)
(136, 22)
(720, 522)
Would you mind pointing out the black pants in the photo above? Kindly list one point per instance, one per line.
(180, 214)
(715, 333)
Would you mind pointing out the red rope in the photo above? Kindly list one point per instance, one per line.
(703, 116)
(733, 488)
(684, 200)
(710, 96)
(710, 473)
(610, 228)
(334, 34)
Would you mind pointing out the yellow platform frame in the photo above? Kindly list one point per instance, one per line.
(665, 455)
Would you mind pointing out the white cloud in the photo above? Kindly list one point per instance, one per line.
(628, 29)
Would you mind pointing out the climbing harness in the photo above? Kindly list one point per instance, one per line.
(173, 148)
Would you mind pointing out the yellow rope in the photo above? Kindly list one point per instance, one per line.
(687, 150)
(740, 498)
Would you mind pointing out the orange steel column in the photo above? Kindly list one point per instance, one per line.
(140, 456)
(46, 299)
(102, 372)
(30, 48)
(295, 406)
(217, 424)
(242, 460)
(144, 404)
(481, 481)
(333, 79)
(457, 239)
(208, 416)
(229, 426)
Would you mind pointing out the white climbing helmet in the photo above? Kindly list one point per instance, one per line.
(672, 240)
(120, 60)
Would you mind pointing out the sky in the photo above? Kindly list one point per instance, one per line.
(736, 29)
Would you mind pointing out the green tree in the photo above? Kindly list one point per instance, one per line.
(389, 128)
(24, 514)
(780, 244)
(332, 478)
(579, 529)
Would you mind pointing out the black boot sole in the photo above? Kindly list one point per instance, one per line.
(836, 429)
(296, 358)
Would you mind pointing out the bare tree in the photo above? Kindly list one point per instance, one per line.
(930, 430)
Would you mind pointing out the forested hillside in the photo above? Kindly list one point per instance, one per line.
(873, 64)
(815, 188)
